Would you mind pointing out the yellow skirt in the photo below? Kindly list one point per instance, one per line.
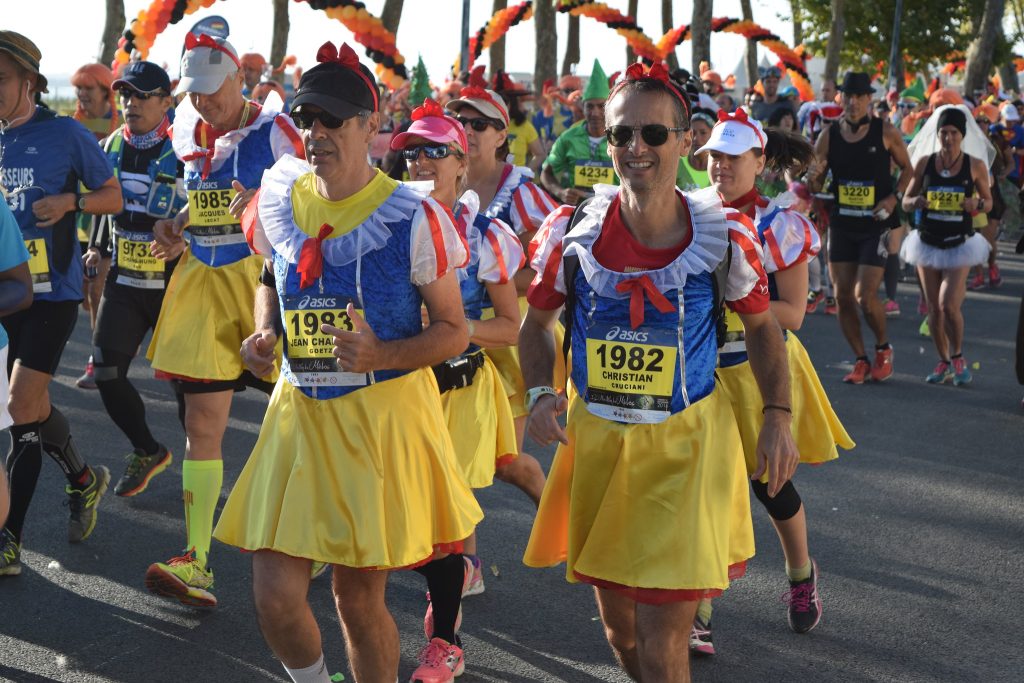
(648, 507)
(481, 425)
(506, 359)
(816, 427)
(366, 480)
(206, 314)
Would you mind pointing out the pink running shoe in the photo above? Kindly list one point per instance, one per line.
(922, 305)
(440, 662)
(994, 278)
(977, 282)
(881, 369)
(860, 372)
(474, 576)
(892, 308)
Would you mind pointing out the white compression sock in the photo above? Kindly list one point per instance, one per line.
(316, 673)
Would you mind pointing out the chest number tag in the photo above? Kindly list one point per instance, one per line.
(587, 173)
(38, 265)
(630, 373)
(946, 203)
(856, 198)
(136, 267)
(310, 352)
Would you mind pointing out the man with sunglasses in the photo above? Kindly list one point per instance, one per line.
(226, 143)
(579, 158)
(646, 498)
(152, 185)
(354, 466)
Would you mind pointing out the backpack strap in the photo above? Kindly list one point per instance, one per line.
(570, 266)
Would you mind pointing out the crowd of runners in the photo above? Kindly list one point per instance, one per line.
(422, 279)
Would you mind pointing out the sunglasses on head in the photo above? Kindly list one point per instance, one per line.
(479, 125)
(128, 93)
(431, 151)
(304, 119)
(653, 134)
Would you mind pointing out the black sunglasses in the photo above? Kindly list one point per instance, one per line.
(129, 93)
(304, 120)
(432, 152)
(653, 134)
(479, 125)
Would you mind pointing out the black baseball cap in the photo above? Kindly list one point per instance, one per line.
(338, 90)
(143, 77)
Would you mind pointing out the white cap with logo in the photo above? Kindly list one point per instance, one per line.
(734, 134)
(207, 62)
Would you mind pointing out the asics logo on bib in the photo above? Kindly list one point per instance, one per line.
(619, 334)
(207, 185)
(317, 302)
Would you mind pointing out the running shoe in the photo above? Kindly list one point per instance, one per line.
(10, 554)
(88, 378)
(961, 375)
(892, 308)
(881, 369)
(83, 503)
(924, 330)
(317, 570)
(440, 662)
(977, 282)
(830, 306)
(994, 278)
(860, 372)
(941, 374)
(474, 584)
(141, 470)
(183, 579)
(813, 299)
(804, 602)
(700, 638)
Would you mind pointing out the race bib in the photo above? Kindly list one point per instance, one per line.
(630, 373)
(136, 267)
(310, 352)
(587, 173)
(38, 265)
(946, 203)
(210, 206)
(856, 198)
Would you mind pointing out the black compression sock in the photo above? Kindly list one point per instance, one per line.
(444, 579)
(24, 461)
(56, 435)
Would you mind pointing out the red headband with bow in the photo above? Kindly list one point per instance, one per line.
(346, 57)
(655, 72)
(475, 93)
(193, 41)
(740, 117)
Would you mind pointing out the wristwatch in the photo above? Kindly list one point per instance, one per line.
(81, 202)
(533, 395)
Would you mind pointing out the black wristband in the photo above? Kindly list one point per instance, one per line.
(267, 277)
(774, 406)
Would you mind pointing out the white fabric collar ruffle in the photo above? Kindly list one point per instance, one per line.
(186, 118)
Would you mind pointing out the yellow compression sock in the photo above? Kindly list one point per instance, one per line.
(704, 610)
(200, 482)
(799, 573)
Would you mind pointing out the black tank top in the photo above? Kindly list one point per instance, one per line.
(944, 223)
(861, 177)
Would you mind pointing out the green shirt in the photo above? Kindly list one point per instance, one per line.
(689, 179)
(576, 161)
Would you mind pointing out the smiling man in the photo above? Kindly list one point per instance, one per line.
(646, 499)
(353, 466)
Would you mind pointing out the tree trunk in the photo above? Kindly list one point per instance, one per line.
(700, 33)
(798, 25)
(546, 60)
(835, 40)
(279, 39)
(979, 54)
(572, 46)
(1008, 76)
(631, 11)
(391, 15)
(666, 26)
(496, 54)
(751, 54)
(112, 29)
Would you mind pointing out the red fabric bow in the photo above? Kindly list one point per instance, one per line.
(206, 155)
(311, 257)
(345, 56)
(193, 41)
(740, 116)
(428, 108)
(637, 287)
(641, 72)
(476, 77)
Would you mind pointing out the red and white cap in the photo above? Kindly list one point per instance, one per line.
(430, 123)
(487, 102)
(206, 64)
(734, 134)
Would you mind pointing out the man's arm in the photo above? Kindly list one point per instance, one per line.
(15, 289)
(898, 149)
(819, 167)
(258, 349)
(537, 361)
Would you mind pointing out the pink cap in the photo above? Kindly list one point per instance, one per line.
(430, 122)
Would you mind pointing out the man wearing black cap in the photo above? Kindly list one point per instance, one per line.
(44, 157)
(859, 150)
(351, 468)
(153, 188)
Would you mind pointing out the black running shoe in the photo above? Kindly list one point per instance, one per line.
(804, 602)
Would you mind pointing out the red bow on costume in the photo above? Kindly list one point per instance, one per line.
(193, 41)
(428, 108)
(345, 56)
(740, 116)
(640, 72)
(311, 257)
(476, 77)
(637, 287)
(206, 155)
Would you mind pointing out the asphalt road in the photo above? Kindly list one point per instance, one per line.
(918, 532)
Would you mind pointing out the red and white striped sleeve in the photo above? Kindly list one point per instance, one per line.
(501, 255)
(789, 240)
(547, 291)
(252, 227)
(530, 206)
(746, 289)
(435, 245)
(285, 138)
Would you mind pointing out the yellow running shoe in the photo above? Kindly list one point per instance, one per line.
(183, 579)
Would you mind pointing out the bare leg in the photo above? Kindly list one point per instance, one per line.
(280, 584)
(793, 537)
(663, 641)
(951, 298)
(618, 613)
(469, 545)
(206, 419)
(931, 281)
(370, 632)
(868, 279)
(844, 278)
(524, 472)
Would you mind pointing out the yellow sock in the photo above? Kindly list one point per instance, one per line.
(704, 610)
(799, 573)
(200, 482)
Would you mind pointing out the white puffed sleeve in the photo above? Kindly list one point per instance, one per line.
(435, 245)
(530, 206)
(501, 254)
(546, 251)
(790, 239)
(746, 288)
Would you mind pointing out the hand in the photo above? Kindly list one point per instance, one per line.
(358, 350)
(91, 258)
(167, 232)
(542, 422)
(166, 253)
(970, 204)
(918, 202)
(572, 196)
(258, 352)
(241, 200)
(886, 207)
(776, 451)
(52, 208)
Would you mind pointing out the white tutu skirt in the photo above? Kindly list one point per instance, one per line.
(973, 252)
